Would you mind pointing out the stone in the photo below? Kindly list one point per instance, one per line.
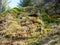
(9, 16)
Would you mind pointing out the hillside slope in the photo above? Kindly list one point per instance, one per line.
(24, 26)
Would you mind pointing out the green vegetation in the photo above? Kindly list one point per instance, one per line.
(25, 3)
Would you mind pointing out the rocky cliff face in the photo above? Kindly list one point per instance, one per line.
(15, 30)
(25, 27)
